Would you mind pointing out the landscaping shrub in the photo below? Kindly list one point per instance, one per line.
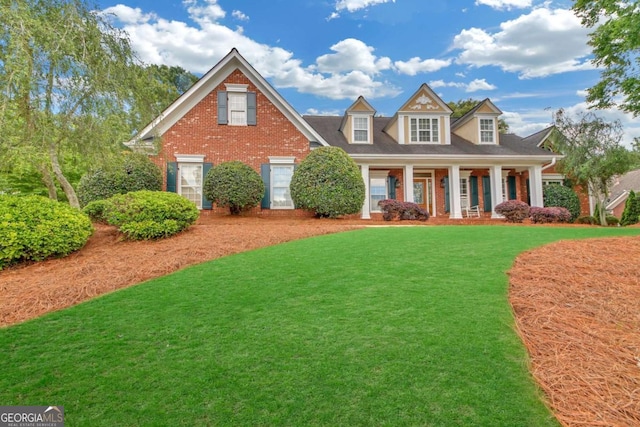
(133, 172)
(513, 210)
(329, 183)
(33, 228)
(586, 219)
(612, 220)
(142, 215)
(395, 209)
(556, 195)
(234, 185)
(95, 210)
(631, 213)
(547, 215)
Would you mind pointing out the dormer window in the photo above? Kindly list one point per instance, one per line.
(487, 131)
(424, 130)
(361, 129)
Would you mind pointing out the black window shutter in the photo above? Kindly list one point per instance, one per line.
(511, 183)
(446, 194)
(473, 182)
(391, 182)
(172, 176)
(206, 203)
(222, 108)
(486, 192)
(265, 172)
(251, 109)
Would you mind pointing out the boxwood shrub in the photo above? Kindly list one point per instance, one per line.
(143, 215)
(556, 195)
(328, 182)
(34, 228)
(513, 210)
(133, 172)
(234, 185)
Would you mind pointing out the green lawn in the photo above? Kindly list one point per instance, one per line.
(381, 326)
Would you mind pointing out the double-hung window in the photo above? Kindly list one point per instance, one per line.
(487, 131)
(377, 189)
(280, 181)
(424, 129)
(237, 106)
(361, 129)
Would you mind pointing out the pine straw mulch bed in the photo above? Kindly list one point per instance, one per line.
(576, 303)
(577, 309)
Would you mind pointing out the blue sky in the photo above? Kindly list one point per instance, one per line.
(529, 57)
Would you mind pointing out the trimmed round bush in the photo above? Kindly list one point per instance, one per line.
(586, 219)
(329, 183)
(145, 215)
(513, 210)
(34, 228)
(548, 215)
(395, 209)
(133, 172)
(556, 195)
(234, 185)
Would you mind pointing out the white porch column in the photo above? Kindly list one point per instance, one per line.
(366, 207)
(408, 184)
(455, 210)
(535, 185)
(495, 175)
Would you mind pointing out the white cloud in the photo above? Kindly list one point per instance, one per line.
(354, 5)
(474, 86)
(352, 54)
(505, 4)
(416, 65)
(316, 112)
(351, 70)
(239, 15)
(541, 43)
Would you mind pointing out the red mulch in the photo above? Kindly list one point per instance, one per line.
(577, 303)
(577, 309)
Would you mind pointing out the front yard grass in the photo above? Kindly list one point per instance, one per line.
(384, 326)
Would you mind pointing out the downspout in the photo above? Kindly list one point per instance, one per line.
(553, 162)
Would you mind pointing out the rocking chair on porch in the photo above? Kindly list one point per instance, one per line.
(468, 210)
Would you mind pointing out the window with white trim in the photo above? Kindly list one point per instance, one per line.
(361, 129)
(190, 182)
(237, 108)
(424, 129)
(487, 131)
(378, 190)
(280, 180)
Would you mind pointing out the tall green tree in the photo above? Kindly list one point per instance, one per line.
(593, 154)
(70, 86)
(463, 106)
(616, 48)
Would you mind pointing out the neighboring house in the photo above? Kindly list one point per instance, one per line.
(420, 154)
(620, 190)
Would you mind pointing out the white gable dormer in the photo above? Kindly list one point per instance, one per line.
(357, 124)
(423, 119)
(480, 124)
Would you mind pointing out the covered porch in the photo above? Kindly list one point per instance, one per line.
(453, 191)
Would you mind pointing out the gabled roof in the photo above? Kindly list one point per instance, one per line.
(424, 100)
(209, 81)
(539, 138)
(359, 101)
(471, 113)
(623, 185)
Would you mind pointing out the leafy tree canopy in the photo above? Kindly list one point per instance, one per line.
(616, 47)
(593, 154)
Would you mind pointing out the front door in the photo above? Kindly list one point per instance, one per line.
(422, 193)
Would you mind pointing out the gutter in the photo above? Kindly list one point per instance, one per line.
(553, 162)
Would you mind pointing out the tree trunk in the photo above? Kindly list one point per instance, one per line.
(48, 182)
(62, 180)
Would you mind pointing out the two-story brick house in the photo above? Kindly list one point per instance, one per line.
(420, 154)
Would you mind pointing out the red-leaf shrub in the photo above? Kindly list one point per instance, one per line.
(395, 209)
(547, 215)
(513, 210)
